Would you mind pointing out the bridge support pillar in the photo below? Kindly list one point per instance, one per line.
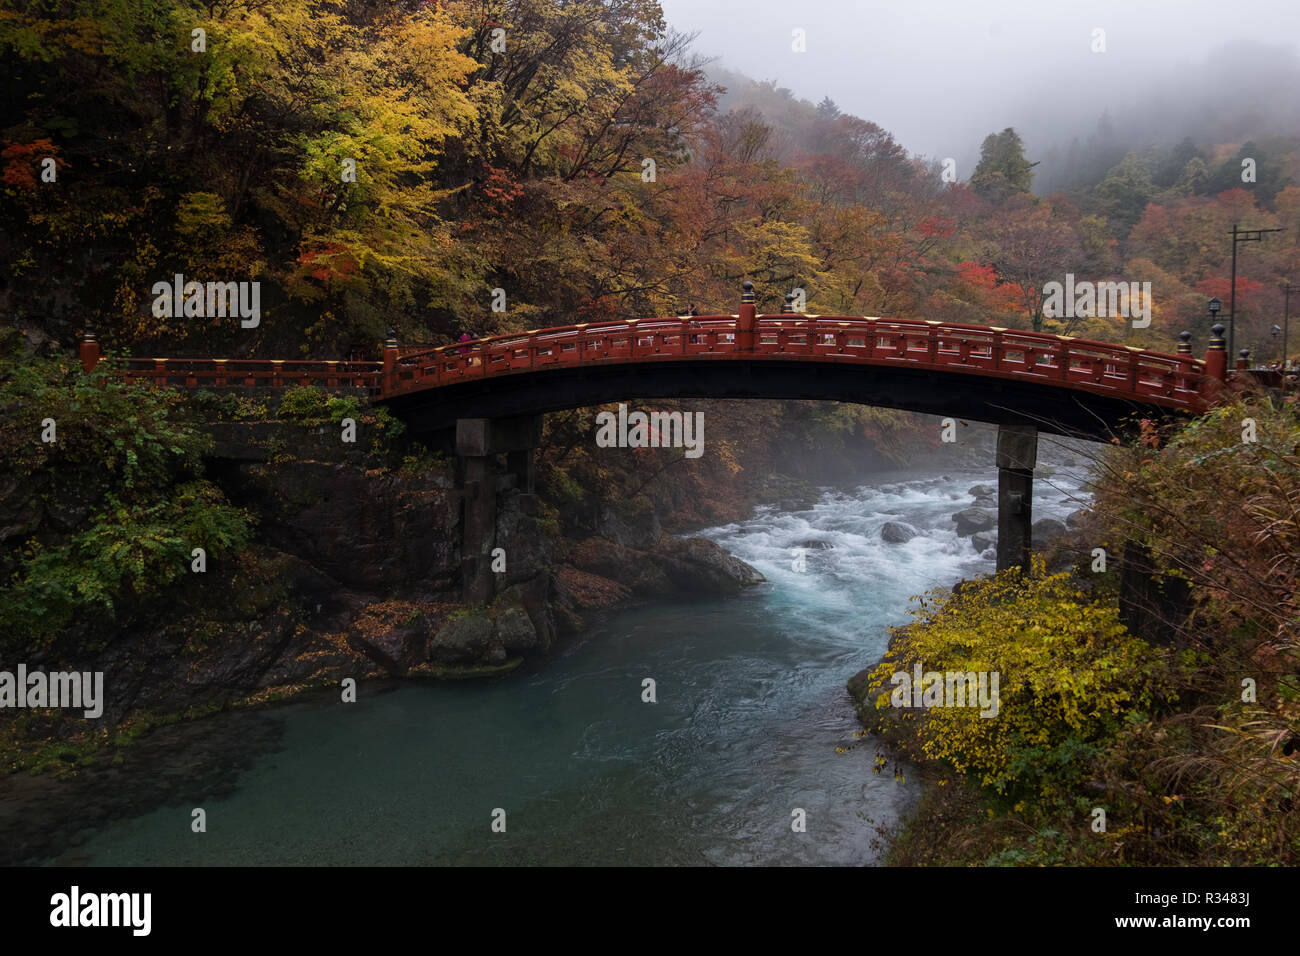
(478, 529)
(479, 442)
(1017, 455)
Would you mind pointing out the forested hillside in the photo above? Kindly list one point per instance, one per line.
(378, 164)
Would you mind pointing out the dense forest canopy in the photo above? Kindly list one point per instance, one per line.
(392, 164)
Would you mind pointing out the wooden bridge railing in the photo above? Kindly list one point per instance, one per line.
(1099, 367)
(1177, 381)
(220, 373)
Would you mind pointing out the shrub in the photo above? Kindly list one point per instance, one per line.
(305, 403)
(1069, 676)
(124, 477)
(339, 408)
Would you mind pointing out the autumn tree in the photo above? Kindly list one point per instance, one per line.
(1030, 246)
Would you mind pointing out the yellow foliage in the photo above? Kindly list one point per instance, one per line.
(1068, 674)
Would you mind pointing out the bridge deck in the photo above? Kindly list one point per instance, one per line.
(1174, 382)
(1155, 378)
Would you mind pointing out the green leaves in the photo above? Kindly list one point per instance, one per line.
(125, 471)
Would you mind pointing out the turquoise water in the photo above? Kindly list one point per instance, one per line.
(750, 709)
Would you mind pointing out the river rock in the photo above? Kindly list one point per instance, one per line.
(515, 631)
(1076, 518)
(392, 634)
(981, 491)
(971, 520)
(982, 541)
(628, 566)
(814, 545)
(489, 636)
(466, 638)
(577, 591)
(897, 532)
(582, 589)
(698, 565)
(1047, 530)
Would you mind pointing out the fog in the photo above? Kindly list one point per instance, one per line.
(941, 75)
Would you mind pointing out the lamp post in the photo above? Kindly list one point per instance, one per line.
(1275, 332)
(1239, 235)
(1286, 316)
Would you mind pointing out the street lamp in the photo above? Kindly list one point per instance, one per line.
(1239, 235)
(1276, 331)
(1286, 316)
(1214, 307)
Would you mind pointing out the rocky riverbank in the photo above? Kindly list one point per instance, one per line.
(355, 574)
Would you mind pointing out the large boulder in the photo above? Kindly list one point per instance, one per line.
(627, 566)
(972, 520)
(896, 532)
(577, 591)
(515, 630)
(392, 634)
(981, 491)
(700, 566)
(586, 591)
(1076, 518)
(466, 638)
(484, 636)
(534, 597)
(982, 541)
(1047, 530)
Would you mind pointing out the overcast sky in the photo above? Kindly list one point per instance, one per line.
(942, 74)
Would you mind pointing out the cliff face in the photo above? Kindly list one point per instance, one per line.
(354, 570)
(368, 559)
(357, 574)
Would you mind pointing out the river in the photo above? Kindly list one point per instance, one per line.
(750, 711)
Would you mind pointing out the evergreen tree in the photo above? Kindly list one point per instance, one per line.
(1003, 169)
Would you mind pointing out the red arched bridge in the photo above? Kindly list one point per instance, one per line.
(986, 373)
(493, 390)
(979, 372)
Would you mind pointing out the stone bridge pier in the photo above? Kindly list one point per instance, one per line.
(1016, 457)
(480, 443)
